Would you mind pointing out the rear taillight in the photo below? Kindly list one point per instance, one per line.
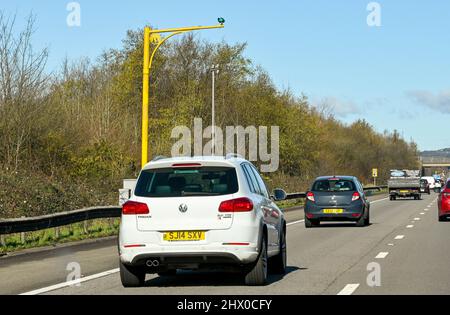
(356, 196)
(133, 208)
(310, 196)
(236, 205)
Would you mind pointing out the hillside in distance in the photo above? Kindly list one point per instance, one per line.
(437, 153)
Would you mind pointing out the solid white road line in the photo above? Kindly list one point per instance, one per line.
(375, 201)
(400, 237)
(349, 289)
(296, 222)
(71, 283)
(382, 255)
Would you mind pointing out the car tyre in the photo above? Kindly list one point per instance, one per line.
(131, 277)
(361, 221)
(278, 263)
(257, 276)
(311, 223)
(367, 220)
(442, 219)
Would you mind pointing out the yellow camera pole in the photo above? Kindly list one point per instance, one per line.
(153, 36)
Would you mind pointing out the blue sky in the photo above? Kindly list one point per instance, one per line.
(396, 76)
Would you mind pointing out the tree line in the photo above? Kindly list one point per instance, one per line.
(68, 138)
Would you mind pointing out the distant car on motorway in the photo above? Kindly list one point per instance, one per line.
(444, 203)
(425, 186)
(336, 198)
(201, 213)
(431, 181)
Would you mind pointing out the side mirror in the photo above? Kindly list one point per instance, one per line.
(279, 195)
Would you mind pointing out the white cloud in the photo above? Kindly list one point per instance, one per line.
(336, 107)
(439, 102)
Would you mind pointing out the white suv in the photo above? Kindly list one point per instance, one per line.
(201, 213)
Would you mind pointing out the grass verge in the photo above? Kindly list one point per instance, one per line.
(70, 233)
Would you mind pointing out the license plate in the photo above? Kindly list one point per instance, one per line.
(184, 236)
(404, 191)
(333, 211)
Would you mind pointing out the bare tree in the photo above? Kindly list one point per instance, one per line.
(22, 85)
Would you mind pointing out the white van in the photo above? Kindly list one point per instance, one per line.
(430, 180)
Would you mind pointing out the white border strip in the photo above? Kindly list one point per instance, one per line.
(71, 283)
(295, 222)
(379, 200)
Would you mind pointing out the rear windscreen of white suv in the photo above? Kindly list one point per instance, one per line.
(184, 182)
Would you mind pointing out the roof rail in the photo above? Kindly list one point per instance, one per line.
(233, 156)
(159, 157)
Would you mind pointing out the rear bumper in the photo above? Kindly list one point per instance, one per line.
(236, 245)
(410, 193)
(191, 257)
(351, 212)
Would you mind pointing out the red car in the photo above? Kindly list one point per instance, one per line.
(444, 203)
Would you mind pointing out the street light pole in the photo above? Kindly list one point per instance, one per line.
(154, 36)
(214, 70)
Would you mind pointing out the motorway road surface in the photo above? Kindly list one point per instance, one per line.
(405, 239)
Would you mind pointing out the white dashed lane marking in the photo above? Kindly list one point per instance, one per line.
(400, 237)
(349, 289)
(382, 255)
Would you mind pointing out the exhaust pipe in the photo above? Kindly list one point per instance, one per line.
(152, 263)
